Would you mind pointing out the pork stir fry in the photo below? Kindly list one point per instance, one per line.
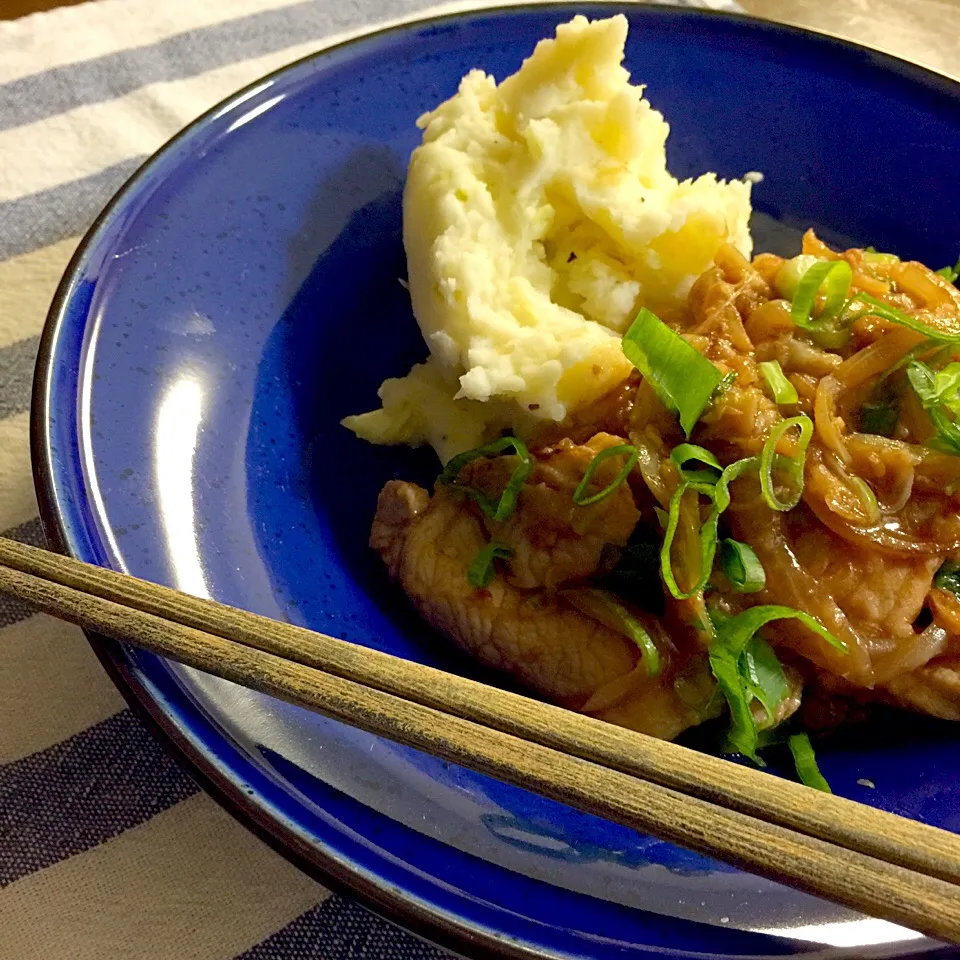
(763, 520)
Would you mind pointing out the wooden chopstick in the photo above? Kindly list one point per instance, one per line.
(872, 861)
(840, 821)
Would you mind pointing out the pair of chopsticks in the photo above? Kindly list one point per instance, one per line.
(866, 859)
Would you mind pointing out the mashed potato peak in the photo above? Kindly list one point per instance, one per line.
(538, 216)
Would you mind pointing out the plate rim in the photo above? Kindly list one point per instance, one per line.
(464, 937)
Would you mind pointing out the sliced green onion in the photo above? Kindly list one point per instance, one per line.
(505, 504)
(763, 677)
(625, 449)
(911, 355)
(684, 380)
(726, 382)
(741, 566)
(950, 274)
(736, 470)
(481, 570)
(782, 389)
(806, 762)
(936, 387)
(877, 308)
(726, 651)
(684, 453)
(708, 540)
(939, 394)
(791, 273)
(831, 328)
(719, 495)
(868, 499)
(834, 278)
(634, 629)
(947, 385)
(947, 439)
(923, 381)
(794, 463)
(948, 577)
(744, 625)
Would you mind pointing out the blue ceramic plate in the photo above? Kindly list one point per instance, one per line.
(240, 296)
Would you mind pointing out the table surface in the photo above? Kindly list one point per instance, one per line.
(925, 31)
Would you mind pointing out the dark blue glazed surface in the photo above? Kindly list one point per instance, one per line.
(241, 296)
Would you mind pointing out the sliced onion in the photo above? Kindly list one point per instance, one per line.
(876, 359)
(650, 464)
(911, 653)
(827, 420)
(846, 495)
(921, 283)
(878, 457)
(900, 493)
(887, 537)
(790, 584)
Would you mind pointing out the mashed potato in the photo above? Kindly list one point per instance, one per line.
(539, 215)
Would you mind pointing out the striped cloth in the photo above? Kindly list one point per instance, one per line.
(107, 849)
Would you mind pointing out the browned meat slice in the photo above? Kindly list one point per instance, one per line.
(555, 542)
(867, 599)
(881, 595)
(566, 656)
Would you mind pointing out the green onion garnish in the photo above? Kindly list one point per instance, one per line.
(834, 278)
(741, 566)
(950, 274)
(948, 577)
(684, 380)
(791, 272)
(726, 382)
(763, 676)
(625, 449)
(939, 392)
(719, 494)
(794, 464)
(781, 388)
(684, 453)
(481, 570)
(940, 387)
(831, 328)
(737, 469)
(708, 540)
(806, 762)
(633, 629)
(505, 504)
(877, 308)
(730, 667)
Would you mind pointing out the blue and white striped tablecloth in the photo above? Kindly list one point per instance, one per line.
(108, 851)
